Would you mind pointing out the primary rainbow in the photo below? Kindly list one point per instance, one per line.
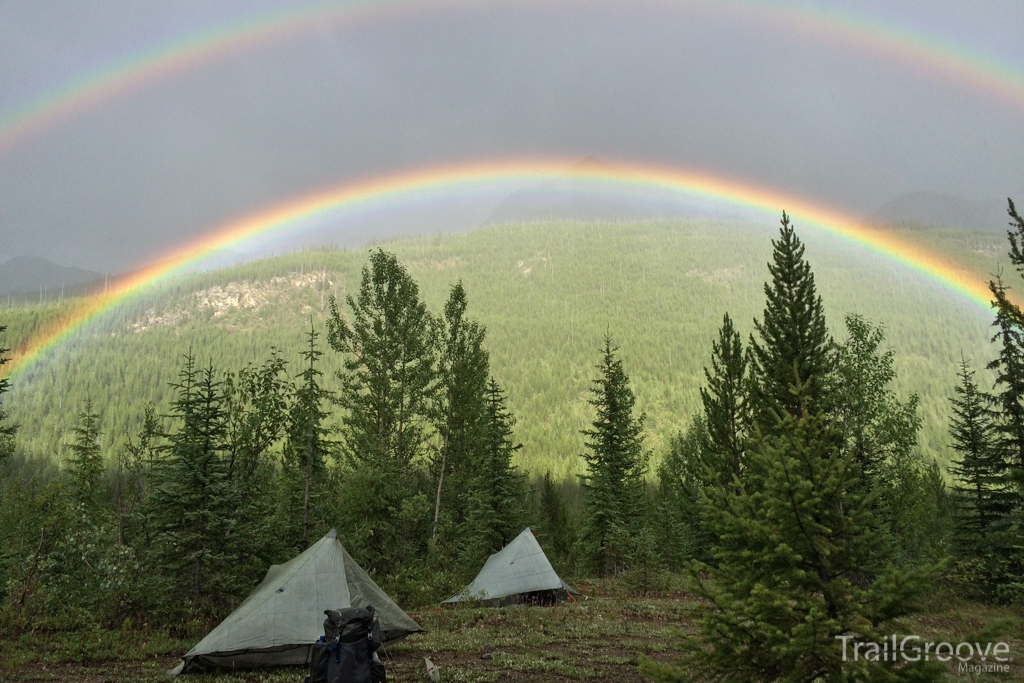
(863, 33)
(485, 178)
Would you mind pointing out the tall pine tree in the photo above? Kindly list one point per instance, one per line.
(192, 497)
(793, 345)
(1009, 369)
(979, 470)
(255, 404)
(691, 464)
(86, 459)
(306, 445)
(616, 465)
(726, 400)
(494, 500)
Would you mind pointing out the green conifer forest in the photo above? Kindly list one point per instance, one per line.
(790, 441)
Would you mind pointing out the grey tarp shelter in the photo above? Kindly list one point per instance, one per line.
(515, 574)
(284, 615)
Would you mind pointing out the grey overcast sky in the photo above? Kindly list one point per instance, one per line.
(739, 92)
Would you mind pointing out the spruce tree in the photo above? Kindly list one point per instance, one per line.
(307, 445)
(1009, 366)
(792, 345)
(494, 501)
(192, 495)
(1009, 369)
(461, 413)
(979, 470)
(1016, 236)
(86, 459)
(726, 399)
(797, 565)
(616, 465)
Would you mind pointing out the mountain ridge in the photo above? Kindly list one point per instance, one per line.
(935, 209)
(30, 274)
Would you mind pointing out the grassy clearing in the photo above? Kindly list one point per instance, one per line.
(599, 637)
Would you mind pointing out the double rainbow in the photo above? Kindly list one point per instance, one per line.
(485, 178)
(860, 33)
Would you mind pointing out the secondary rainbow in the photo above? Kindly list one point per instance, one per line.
(484, 178)
(862, 33)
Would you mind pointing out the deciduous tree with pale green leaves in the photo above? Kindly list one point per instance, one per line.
(463, 409)
(388, 388)
(7, 428)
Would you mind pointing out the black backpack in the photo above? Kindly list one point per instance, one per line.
(346, 655)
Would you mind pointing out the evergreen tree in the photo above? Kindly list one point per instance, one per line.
(1016, 236)
(1009, 369)
(494, 502)
(307, 446)
(980, 470)
(690, 465)
(554, 529)
(86, 459)
(463, 367)
(797, 566)
(793, 345)
(388, 385)
(726, 400)
(192, 495)
(7, 429)
(616, 465)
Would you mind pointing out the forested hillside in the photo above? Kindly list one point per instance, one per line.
(547, 294)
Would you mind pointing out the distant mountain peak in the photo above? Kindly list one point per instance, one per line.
(30, 274)
(943, 211)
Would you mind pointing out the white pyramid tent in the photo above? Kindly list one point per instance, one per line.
(519, 572)
(284, 615)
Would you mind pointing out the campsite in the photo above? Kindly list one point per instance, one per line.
(496, 341)
(598, 638)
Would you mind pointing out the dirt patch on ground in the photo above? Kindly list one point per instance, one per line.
(601, 637)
